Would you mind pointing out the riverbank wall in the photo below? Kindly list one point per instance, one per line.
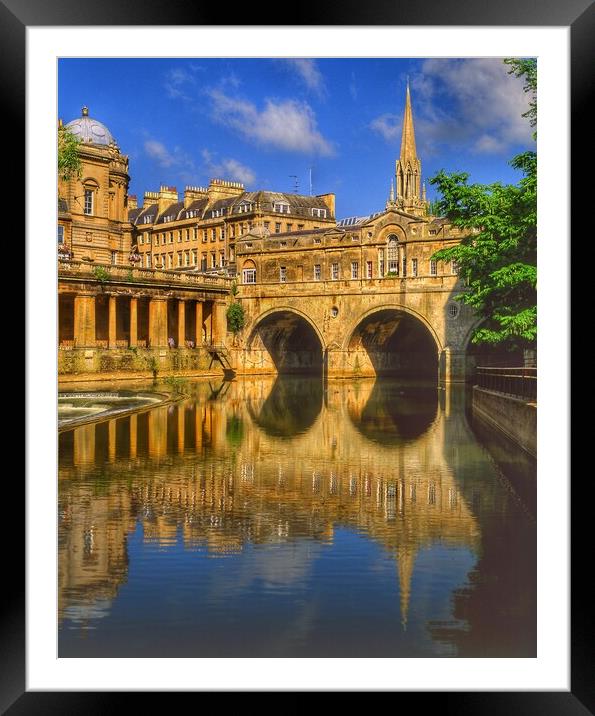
(515, 417)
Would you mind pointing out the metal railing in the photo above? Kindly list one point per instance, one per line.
(518, 382)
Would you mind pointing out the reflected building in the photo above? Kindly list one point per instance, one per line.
(210, 472)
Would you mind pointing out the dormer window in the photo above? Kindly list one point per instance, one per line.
(280, 207)
(245, 207)
(320, 213)
(147, 219)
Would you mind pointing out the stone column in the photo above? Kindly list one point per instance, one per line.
(453, 366)
(133, 322)
(199, 321)
(158, 322)
(219, 322)
(181, 323)
(84, 320)
(111, 340)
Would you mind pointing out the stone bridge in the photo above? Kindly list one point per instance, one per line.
(385, 326)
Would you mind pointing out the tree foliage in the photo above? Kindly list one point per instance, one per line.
(497, 258)
(69, 162)
(236, 318)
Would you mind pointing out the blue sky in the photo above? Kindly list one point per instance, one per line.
(263, 121)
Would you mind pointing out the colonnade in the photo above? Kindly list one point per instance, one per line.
(91, 320)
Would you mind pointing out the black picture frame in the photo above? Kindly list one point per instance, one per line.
(579, 16)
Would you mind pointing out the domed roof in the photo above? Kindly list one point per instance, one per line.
(90, 130)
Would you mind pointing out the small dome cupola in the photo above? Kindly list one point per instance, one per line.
(89, 130)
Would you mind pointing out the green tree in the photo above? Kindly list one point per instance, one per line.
(497, 258)
(69, 161)
(236, 318)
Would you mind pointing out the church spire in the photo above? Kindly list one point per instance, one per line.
(408, 165)
(408, 151)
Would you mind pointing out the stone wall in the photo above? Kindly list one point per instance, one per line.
(515, 417)
(135, 360)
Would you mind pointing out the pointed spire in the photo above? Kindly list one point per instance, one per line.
(405, 562)
(408, 151)
(392, 191)
(423, 192)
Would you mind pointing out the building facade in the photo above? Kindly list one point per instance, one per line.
(358, 296)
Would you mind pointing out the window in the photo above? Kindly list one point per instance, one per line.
(179, 259)
(213, 260)
(404, 267)
(194, 255)
(222, 233)
(300, 227)
(277, 227)
(186, 258)
(249, 275)
(249, 245)
(267, 225)
(334, 271)
(453, 310)
(187, 234)
(317, 240)
(282, 243)
(232, 231)
(282, 274)
(162, 239)
(170, 260)
(320, 213)
(114, 257)
(156, 239)
(88, 207)
(354, 237)
(393, 254)
(414, 267)
(195, 233)
(171, 237)
(179, 236)
(289, 227)
(60, 234)
(317, 272)
(433, 267)
(221, 259)
(454, 267)
(141, 241)
(147, 260)
(354, 269)
(281, 208)
(432, 231)
(244, 208)
(381, 266)
(368, 269)
(147, 219)
(204, 236)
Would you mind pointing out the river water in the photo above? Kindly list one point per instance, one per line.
(280, 517)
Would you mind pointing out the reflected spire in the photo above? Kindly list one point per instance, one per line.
(405, 564)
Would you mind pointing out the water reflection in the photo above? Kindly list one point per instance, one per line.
(335, 540)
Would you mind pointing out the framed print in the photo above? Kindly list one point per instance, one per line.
(262, 452)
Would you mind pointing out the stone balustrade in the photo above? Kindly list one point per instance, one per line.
(128, 274)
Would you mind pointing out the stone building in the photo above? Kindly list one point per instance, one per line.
(362, 297)
(201, 230)
(93, 221)
(359, 296)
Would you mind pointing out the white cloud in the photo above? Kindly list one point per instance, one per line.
(287, 124)
(466, 104)
(159, 152)
(179, 163)
(178, 82)
(227, 169)
(388, 126)
(308, 72)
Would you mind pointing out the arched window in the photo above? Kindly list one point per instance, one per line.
(249, 272)
(393, 254)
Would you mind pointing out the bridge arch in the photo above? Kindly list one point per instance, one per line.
(291, 338)
(393, 339)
